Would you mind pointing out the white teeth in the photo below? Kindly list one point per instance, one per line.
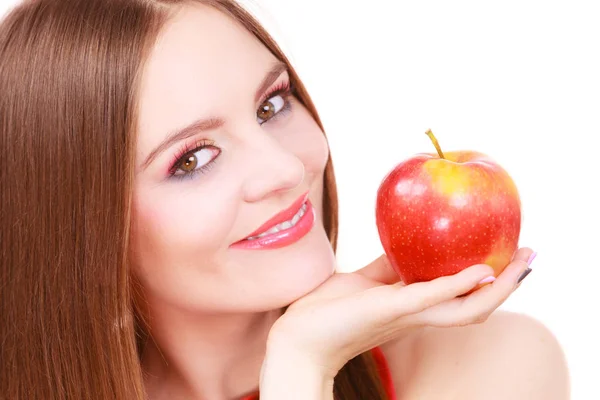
(284, 225)
(295, 219)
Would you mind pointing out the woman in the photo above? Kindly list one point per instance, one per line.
(169, 214)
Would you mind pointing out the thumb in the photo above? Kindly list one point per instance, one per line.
(380, 270)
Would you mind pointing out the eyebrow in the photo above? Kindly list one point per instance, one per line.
(212, 123)
(181, 134)
(269, 79)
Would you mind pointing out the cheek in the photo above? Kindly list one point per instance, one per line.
(308, 142)
(174, 228)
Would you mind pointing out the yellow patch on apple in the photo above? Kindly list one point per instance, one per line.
(500, 255)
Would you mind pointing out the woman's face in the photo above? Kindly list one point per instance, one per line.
(253, 151)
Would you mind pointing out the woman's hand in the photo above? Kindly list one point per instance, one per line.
(351, 313)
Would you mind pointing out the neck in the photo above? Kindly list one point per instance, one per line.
(205, 357)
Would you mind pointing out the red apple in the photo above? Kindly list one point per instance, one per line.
(438, 214)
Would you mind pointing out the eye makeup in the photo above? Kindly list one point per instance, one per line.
(188, 155)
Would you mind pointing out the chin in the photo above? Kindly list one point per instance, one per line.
(289, 273)
(310, 269)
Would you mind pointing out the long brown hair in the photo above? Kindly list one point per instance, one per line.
(69, 78)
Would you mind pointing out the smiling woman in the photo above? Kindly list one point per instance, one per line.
(250, 136)
(171, 230)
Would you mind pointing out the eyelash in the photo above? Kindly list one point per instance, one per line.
(188, 150)
(284, 89)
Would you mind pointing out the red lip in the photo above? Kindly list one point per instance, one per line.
(282, 216)
(285, 237)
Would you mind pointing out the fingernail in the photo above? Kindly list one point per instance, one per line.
(524, 275)
(489, 279)
(531, 258)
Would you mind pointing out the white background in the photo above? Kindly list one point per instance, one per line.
(518, 80)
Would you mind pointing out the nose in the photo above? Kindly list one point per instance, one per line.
(270, 169)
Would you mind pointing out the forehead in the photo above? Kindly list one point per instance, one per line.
(198, 35)
(203, 59)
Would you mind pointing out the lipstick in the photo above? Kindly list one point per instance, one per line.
(283, 229)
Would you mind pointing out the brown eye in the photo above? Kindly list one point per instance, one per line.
(189, 163)
(270, 108)
(196, 160)
(266, 110)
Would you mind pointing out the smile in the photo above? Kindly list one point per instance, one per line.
(284, 225)
(285, 228)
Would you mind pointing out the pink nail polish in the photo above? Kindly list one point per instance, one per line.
(531, 258)
(489, 279)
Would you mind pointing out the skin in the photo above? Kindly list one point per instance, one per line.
(210, 307)
(508, 356)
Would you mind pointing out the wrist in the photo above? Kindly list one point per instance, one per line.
(286, 373)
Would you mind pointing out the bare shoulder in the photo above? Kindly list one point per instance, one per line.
(510, 356)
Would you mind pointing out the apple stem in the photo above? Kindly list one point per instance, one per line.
(435, 143)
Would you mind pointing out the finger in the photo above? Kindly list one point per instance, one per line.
(477, 306)
(423, 295)
(380, 309)
(380, 270)
(523, 254)
(385, 303)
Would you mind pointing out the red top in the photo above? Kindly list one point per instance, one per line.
(384, 372)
